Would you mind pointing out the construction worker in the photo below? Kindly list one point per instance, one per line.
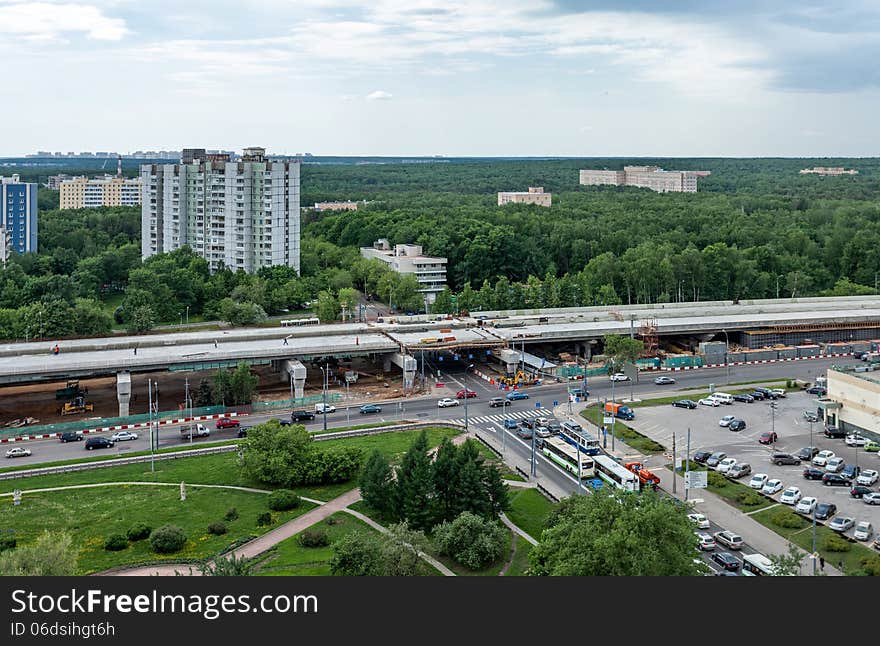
(56, 349)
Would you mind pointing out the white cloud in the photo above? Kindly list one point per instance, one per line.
(44, 21)
(379, 95)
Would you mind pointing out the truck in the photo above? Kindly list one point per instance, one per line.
(646, 478)
(189, 431)
(619, 410)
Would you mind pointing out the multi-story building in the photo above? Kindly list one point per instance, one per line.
(652, 177)
(53, 182)
(240, 215)
(821, 170)
(430, 271)
(18, 215)
(336, 206)
(535, 195)
(853, 400)
(85, 193)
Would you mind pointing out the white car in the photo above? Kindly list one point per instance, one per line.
(835, 464)
(699, 520)
(779, 392)
(867, 477)
(773, 486)
(822, 458)
(447, 401)
(863, 531)
(790, 496)
(806, 505)
(758, 481)
(121, 436)
(855, 440)
(709, 401)
(18, 452)
(321, 408)
(725, 464)
(707, 543)
(619, 376)
(726, 420)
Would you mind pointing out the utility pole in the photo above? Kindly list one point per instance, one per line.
(673, 463)
(150, 420)
(464, 381)
(534, 466)
(727, 355)
(687, 465)
(347, 405)
(186, 393)
(324, 397)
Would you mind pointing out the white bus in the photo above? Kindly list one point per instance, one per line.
(566, 456)
(312, 320)
(757, 565)
(575, 435)
(615, 474)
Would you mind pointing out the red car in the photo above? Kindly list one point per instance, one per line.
(461, 394)
(227, 422)
(768, 438)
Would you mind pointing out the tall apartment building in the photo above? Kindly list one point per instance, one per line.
(535, 195)
(241, 215)
(821, 170)
(85, 193)
(430, 271)
(18, 215)
(652, 177)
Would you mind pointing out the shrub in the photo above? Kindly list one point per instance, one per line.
(138, 532)
(264, 519)
(749, 498)
(167, 539)
(231, 514)
(836, 544)
(332, 521)
(314, 538)
(471, 540)
(7, 543)
(717, 480)
(218, 529)
(787, 518)
(116, 542)
(283, 499)
(871, 565)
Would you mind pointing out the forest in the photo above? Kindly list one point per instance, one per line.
(756, 229)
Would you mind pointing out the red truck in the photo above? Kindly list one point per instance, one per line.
(646, 478)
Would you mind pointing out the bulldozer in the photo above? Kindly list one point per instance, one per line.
(71, 390)
(77, 405)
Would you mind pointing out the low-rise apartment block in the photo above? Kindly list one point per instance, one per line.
(430, 271)
(336, 206)
(85, 193)
(652, 177)
(535, 195)
(821, 170)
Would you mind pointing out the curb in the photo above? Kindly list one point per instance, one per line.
(752, 363)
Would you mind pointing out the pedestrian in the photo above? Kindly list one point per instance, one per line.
(840, 565)
(822, 563)
(285, 340)
(135, 350)
(215, 344)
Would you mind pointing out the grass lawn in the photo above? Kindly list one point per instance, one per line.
(491, 458)
(529, 510)
(521, 558)
(624, 433)
(94, 514)
(289, 558)
(739, 495)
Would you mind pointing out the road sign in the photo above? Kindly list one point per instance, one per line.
(470, 356)
(537, 404)
(555, 402)
(696, 479)
(607, 420)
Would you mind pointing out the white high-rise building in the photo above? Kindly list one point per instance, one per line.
(242, 214)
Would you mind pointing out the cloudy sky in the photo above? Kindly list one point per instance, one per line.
(450, 77)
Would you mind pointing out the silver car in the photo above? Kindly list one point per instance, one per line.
(841, 523)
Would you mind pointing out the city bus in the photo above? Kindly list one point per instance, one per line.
(615, 474)
(566, 456)
(757, 565)
(578, 437)
(312, 320)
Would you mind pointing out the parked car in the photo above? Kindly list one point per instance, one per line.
(817, 390)
(758, 481)
(517, 394)
(736, 425)
(769, 437)
(739, 470)
(699, 520)
(619, 376)
(871, 446)
(858, 491)
(863, 531)
(790, 496)
(510, 424)
(715, 458)
(825, 510)
(71, 437)
(123, 436)
(867, 477)
(854, 439)
(98, 443)
(850, 471)
(227, 422)
(841, 523)
(779, 392)
(18, 452)
(370, 408)
(496, 401)
(448, 401)
(822, 457)
(709, 401)
(743, 397)
(834, 480)
(726, 560)
(729, 540)
(664, 381)
(727, 419)
(834, 432)
(806, 505)
(758, 395)
(811, 416)
(767, 393)
(872, 498)
(784, 458)
(807, 452)
(705, 542)
(461, 394)
(301, 415)
(725, 464)
(773, 486)
(700, 457)
(812, 473)
(835, 464)
(685, 403)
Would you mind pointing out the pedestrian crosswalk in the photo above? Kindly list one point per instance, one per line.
(523, 414)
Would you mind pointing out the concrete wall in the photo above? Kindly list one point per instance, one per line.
(859, 399)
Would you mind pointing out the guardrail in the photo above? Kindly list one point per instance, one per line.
(115, 462)
(489, 446)
(523, 473)
(547, 493)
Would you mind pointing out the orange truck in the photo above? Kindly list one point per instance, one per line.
(619, 410)
(646, 478)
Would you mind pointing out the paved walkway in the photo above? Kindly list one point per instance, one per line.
(517, 530)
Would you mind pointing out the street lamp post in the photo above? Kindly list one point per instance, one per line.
(347, 405)
(504, 406)
(464, 381)
(814, 540)
(324, 396)
(291, 389)
(727, 355)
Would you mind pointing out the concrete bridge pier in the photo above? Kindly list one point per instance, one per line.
(510, 359)
(295, 370)
(123, 392)
(408, 365)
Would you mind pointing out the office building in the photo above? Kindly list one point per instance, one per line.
(85, 193)
(430, 271)
(241, 215)
(652, 177)
(535, 195)
(18, 215)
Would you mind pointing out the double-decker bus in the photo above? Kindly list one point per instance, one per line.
(578, 437)
(615, 474)
(566, 456)
(312, 320)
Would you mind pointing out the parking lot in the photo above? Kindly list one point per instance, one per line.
(792, 430)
